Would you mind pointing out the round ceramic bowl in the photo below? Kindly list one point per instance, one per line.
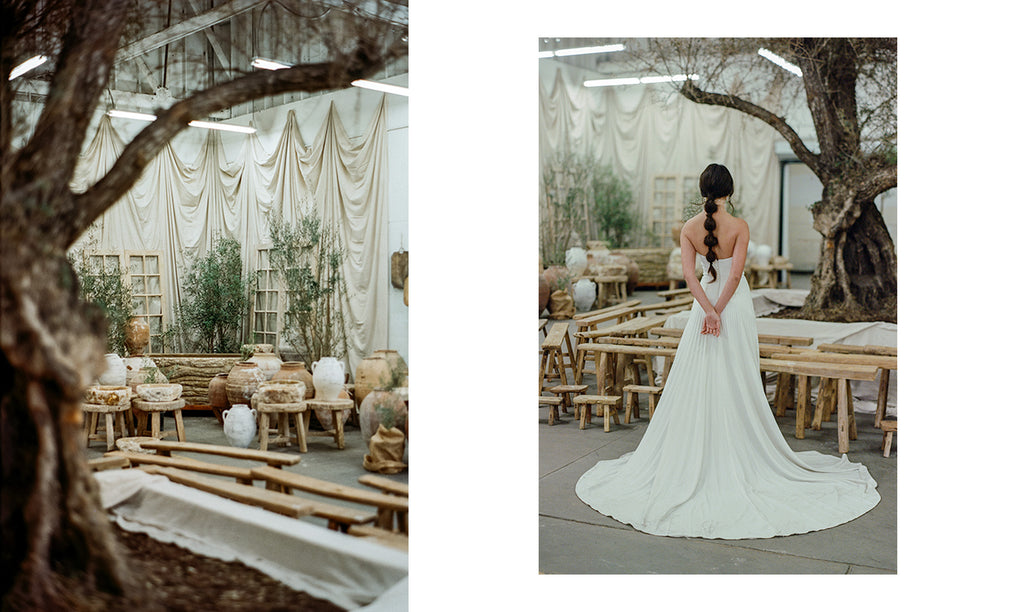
(159, 392)
(282, 392)
(107, 395)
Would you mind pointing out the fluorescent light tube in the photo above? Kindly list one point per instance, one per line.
(666, 79)
(226, 127)
(267, 64)
(27, 65)
(131, 115)
(610, 82)
(586, 50)
(391, 89)
(768, 55)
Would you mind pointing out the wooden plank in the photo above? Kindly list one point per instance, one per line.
(383, 536)
(340, 514)
(785, 340)
(827, 370)
(330, 489)
(268, 457)
(671, 294)
(385, 484)
(108, 463)
(883, 398)
(767, 350)
(670, 332)
(869, 349)
(888, 363)
(288, 505)
(185, 463)
(556, 336)
(653, 351)
(668, 342)
(596, 316)
(633, 326)
(684, 301)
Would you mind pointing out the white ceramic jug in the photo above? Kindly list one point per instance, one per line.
(240, 425)
(328, 378)
(116, 373)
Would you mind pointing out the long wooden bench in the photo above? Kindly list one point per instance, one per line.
(588, 321)
(241, 475)
(552, 359)
(271, 458)
(868, 349)
(389, 487)
(386, 505)
(803, 370)
(109, 463)
(672, 294)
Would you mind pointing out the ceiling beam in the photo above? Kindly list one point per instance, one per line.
(185, 28)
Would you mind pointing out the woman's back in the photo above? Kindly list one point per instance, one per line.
(728, 229)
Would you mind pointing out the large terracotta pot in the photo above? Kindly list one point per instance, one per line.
(370, 408)
(136, 335)
(371, 373)
(263, 356)
(394, 359)
(558, 278)
(243, 381)
(218, 395)
(545, 293)
(296, 370)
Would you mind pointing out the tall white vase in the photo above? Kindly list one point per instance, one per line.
(115, 374)
(328, 378)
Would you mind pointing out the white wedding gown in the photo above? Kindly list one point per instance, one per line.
(713, 462)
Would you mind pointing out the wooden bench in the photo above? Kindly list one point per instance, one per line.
(803, 370)
(589, 321)
(670, 332)
(552, 359)
(391, 539)
(109, 463)
(883, 381)
(155, 411)
(611, 289)
(111, 415)
(672, 294)
(553, 403)
(889, 428)
(270, 458)
(241, 475)
(610, 369)
(610, 403)
(285, 482)
(389, 487)
(784, 340)
(566, 393)
(633, 399)
(675, 305)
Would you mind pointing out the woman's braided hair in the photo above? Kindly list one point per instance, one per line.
(715, 182)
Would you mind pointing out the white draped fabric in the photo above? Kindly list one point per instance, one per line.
(642, 133)
(179, 208)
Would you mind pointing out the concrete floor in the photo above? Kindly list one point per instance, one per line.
(575, 539)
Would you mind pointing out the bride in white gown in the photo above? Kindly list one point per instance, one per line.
(713, 462)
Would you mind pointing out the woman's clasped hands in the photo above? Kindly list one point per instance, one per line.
(712, 324)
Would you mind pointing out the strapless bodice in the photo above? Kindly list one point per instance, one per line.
(722, 267)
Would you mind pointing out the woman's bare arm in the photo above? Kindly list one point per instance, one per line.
(690, 273)
(739, 260)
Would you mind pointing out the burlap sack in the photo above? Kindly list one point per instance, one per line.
(399, 268)
(386, 449)
(560, 305)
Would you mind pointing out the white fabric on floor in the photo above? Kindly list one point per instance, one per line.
(346, 570)
(768, 301)
(878, 333)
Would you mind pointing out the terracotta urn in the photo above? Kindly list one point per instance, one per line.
(116, 373)
(136, 335)
(371, 373)
(243, 381)
(218, 395)
(396, 364)
(328, 378)
(545, 293)
(296, 370)
(263, 356)
(373, 405)
(558, 277)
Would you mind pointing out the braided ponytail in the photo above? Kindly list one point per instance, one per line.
(715, 182)
(711, 241)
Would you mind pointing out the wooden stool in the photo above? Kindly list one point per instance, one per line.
(611, 289)
(889, 427)
(553, 403)
(610, 403)
(567, 392)
(552, 360)
(340, 411)
(108, 412)
(298, 410)
(633, 399)
(156, 411)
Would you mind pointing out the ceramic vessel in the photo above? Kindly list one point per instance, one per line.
(584, 293)
(545, 293)
(296, 370)
(115, 374)
(166, 392)
(376, 402)
(328, 378)
(243, 381)
(240, 425)
(142, 370)
(263, 356)
(371, 373)
(558, 277)
(576, 261)
(282, 391)
(136, 335)
(107, 395)
(395, 363)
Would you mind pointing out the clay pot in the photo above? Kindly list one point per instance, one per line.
(370, 374)
(263, 356)
(328, 378)
(584, 294)
(373, 404)
(282, 392)
(576, 261)
(558, 275)
(142, 370)
(218, 395)
(633, 272)
(243, 381)
(240, 425)
(107, 395)
(395, 361)
(115, 374)
(167, 392)
(296, 370)
(136, 335)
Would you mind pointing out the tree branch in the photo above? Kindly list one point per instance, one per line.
(695, 94)
(87, 207)
(878, 182)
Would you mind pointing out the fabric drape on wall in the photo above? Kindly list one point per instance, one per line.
(180, 209)
(642, 133)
